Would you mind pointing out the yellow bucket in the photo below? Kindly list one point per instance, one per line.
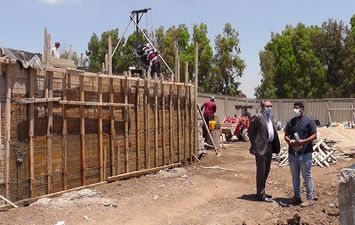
(212, 125)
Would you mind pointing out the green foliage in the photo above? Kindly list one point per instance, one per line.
(74, 56)
(308, 62)
(217, 74)
(228, 66)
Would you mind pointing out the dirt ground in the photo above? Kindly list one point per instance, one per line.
(191, 195)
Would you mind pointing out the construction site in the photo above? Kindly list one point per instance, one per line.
(78, 147)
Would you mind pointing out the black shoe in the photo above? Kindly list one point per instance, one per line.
(269, 196)
(295, 201)
(263, 198)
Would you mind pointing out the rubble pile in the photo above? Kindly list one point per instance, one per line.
(324, 154)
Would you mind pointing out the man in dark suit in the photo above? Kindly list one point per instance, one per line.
(264, 141)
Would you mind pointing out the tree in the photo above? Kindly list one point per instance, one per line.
(348, 66)
(290, 66)
(98, 48)
(74, 56)
(228, 65)
(205, 57)
(330, 50)
(93, 53)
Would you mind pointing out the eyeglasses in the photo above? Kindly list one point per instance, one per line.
(268, 106)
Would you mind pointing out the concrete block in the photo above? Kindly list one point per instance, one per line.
(347, 196)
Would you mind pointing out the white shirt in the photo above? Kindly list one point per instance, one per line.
(54, 53)
(270, 128)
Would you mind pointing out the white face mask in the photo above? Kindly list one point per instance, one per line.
(296, 112)
(268, 111)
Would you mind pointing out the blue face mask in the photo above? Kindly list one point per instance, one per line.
(268, 111)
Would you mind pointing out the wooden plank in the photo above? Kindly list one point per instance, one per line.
(82, 133)
(146, 125)
(193, 106)
(171, 128)
(37, 100)
(141, 172)
(95, 104)
(7, 132)
(156, 124)
(65, 133)
(61, 63)
(6, 60)
(90, 74)
(163, 123)
(137, 126)
(114, 164)
(100, 137)
(186, 71)
(191, 125)
(49, 94)
(178, 124)
(32, 76)
(109, 55)
(126, 118)
(186, 126)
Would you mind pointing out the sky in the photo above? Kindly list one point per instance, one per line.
(72, 22)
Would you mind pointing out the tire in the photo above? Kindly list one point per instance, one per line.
(243, 136)
(229, 137)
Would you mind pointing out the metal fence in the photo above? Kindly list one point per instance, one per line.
(325, 110)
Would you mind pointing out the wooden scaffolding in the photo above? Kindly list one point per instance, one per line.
(67, 128)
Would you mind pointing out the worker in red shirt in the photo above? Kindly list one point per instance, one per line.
(209, 109)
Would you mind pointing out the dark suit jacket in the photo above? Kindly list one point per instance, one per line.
(258, 136)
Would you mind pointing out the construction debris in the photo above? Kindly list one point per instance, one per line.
(218, 168)
(323, 154)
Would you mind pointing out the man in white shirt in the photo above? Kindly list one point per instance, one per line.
(264, 141)
(54, 50)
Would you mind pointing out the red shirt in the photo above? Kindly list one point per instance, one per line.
(209, 108)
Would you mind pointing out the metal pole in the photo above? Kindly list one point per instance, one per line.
(121, 38)
(153, 47)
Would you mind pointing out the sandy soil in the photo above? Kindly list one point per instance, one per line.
(191, 195)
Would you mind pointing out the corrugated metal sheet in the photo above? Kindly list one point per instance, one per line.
(340, 110)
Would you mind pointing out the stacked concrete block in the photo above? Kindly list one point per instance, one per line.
(347, 196)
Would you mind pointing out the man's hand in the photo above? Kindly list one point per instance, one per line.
(296, 145)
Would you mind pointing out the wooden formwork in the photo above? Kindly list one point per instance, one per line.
(65, 128)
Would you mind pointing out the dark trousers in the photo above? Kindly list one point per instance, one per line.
(204, 128)
(263, 164)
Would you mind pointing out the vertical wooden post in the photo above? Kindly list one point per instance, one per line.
(114, 167)
(31, 94)
(192, 125)
(99, 120)
(146, 125)
(137, 126)
(178, 124)
(177, 65)
(82, 133)
(126, 118)
(7, 132)
(156, 123)
(163, 122)
(49, 94)
(65, 133)
(106, 64)
(186, 124)
(171, 128)
(186, 72)
(194, 104)
(109, 55)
